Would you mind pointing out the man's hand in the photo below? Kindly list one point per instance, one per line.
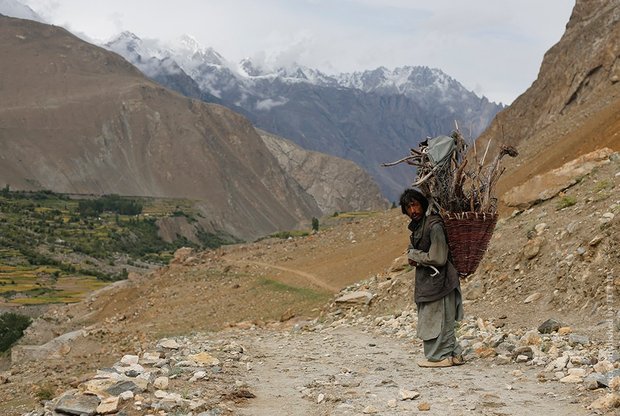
(412, 263)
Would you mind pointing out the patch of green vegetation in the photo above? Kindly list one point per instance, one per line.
(45, 392)
(302, 292)
(603, 185)
(56, 237)
(210, 240)
(12, 327)
(566, 201)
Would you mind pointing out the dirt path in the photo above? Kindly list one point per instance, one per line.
(308, 276)
(346, 371)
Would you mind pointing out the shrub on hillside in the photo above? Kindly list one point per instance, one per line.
(12, 326)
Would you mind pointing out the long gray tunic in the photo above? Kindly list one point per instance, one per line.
(436, 319)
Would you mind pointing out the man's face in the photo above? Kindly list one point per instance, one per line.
(414, 210)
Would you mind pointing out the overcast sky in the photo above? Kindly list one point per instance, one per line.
(493, 47)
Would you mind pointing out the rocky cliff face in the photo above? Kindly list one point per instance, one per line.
(76, 118)
(572, 108)
(335, 184)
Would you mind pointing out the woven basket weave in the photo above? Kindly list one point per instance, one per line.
(468, 234)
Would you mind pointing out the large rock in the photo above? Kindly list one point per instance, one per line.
(56, 348)
(73, 403)
(547, 185)
(358, 297)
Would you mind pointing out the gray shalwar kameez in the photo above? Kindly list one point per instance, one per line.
(439, 297)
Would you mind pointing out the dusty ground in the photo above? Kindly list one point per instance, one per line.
(354, 371)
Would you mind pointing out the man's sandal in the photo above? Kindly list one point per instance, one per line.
(446, 362)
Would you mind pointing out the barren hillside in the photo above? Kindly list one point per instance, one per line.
(75, 118)
(572, 108)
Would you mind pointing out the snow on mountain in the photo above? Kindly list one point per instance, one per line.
(191, 55)
(13, 8)
(366, 116)
(407, 80)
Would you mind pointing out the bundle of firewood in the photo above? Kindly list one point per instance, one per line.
(459, 187)
(448, 182)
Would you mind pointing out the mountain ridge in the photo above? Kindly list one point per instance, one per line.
(398, 108)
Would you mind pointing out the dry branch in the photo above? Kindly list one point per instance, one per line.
(461, 191)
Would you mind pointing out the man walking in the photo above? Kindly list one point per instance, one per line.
(437, 285)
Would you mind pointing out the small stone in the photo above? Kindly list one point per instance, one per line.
(126, 395)
(525, 350)
(595, 381)
(532, 298)
(198, 375)
(603, 367)
(549, 326)
(561, 362)
(530, 338)
(129, 359)
(161, 383)
(485, 352)
(574, 339)
(391, 403)
(150, 358)
(608, 216)
(503, 359)
(370, 409)
(532, 247)
(204, 359)
(108, 405)
(565, 330)
(571, 378)
(581, 372)
(320, 398)
(408, 394)
(121, 386)
(540, 228)
(424, 407)
(595, 240)
(169, 344)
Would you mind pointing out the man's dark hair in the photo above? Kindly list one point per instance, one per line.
(410, 195)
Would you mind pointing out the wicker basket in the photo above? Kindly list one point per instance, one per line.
(468, 234)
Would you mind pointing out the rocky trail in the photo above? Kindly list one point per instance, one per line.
(316, 369)
(347, 371)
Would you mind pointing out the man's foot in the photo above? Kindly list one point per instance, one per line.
(446, 362)
(458, 360)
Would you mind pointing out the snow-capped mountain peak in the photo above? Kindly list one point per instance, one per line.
(189, 46)
(249, 68)
(13, 8)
